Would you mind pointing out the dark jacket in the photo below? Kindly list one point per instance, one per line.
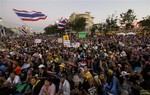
(37, 88)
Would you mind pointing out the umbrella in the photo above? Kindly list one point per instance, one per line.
(131, 33)
(123, 34)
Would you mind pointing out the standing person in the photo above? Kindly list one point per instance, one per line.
(64, 86)
(48, 88)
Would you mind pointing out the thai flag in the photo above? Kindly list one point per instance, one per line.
(62, 23)
(24, 31)
(30, 16)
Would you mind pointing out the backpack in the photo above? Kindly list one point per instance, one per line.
(23, 87)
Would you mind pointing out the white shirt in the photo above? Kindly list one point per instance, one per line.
(15, 81)
(65, 87)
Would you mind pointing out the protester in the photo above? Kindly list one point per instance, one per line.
(36, 86)
(13, 81)
(48, 88)
(89, 86)
(76, 87)
(106, 64)
(112, 83)
(64, 85)
(3, 87)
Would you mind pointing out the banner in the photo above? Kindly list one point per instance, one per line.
(77, 45)
(37, 41)
(65, 37)
(82, 34)
(60, 40)
(66, 43)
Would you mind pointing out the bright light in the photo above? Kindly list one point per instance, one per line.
(1, 19)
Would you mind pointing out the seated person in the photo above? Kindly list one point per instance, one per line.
(3, 87)
(12, 82)
(48, 88)
(36, 85)
(64, 85)
(76, 87)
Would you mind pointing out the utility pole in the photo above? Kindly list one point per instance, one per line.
(2, 28)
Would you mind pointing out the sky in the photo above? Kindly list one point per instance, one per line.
(55, 9)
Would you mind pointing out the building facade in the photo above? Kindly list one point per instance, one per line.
(87, 15)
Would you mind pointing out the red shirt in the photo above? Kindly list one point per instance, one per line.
(17, 70)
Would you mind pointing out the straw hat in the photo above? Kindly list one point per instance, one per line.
(110, 71)
(56, 59)
(41, 66)
(62, 65)
(76, 78)
(88, 75)
(124, 73)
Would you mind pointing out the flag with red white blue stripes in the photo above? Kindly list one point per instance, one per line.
(30, 16)
(24, 31)
(62, 22)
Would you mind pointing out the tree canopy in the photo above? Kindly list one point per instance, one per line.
(128, 18)
(52, 29)
(145, 23)
(78, 24)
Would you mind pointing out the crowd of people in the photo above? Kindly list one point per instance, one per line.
(100, 65)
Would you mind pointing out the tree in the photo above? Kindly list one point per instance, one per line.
(128, 18)
(78, 24)
(111, 23)
(52, 29)
(145, 23)
(94, 28)
(101, 27)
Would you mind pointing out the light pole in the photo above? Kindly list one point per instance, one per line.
(2, 28)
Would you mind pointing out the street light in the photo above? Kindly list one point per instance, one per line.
(2, 28)
(1, 19)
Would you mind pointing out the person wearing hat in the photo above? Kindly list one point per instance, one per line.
(100, 83)
(89, 87)
(42, 73)
(112, 83)
(125, 87)
(48, 88)
(64, 85)
(76, 87)
(62, 69)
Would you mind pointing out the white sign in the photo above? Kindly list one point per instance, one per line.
(77, 45)
(37, 41)
(66, 43)
(60, 40)
(121, 44)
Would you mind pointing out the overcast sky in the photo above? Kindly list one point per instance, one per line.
(55, 9)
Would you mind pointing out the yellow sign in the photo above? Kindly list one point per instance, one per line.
(65, 37)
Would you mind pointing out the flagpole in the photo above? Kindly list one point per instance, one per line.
(2, 28)
(23, 22)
